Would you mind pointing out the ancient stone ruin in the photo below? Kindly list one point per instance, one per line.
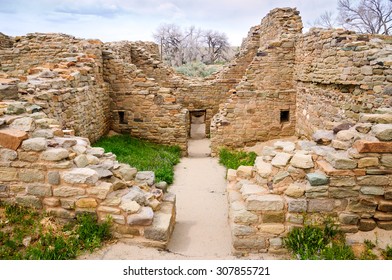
(330, 88)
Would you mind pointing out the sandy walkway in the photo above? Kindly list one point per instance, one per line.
(202, 230)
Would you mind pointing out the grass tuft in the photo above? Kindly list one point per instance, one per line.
(234, 159)
(143, 155)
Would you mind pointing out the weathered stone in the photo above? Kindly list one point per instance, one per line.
(342, 192)
(386, 160)
(8, 155)
(340, 160)
(34, 144)
(245, 172)
(388, 193)
(345, 135)
(97, 151)
(39, 190)
(297, 205)
(162, 185)
(368, 162)
(295, 190)
(8, 174)
(323, 137)
(382, 216)
(362, 205)
(143, 218)
(24, 124)
(54, 177)
(276, 242)
(231, 174)
(387, 225)
(263, 168)
(145, 177)
(383, 131)
(160, 229)
(363, 127)
(373, 180)
(363, 146)
(342, 127)
(67, 203)
(110, 210)
(28, 201)
(125, 172)
(130, 207)
(275, 229)
(273, 217)
(321, 205)
(251, 243)
(244, 217)
(342, 181)
(285, 146)
(30, 175)
(65, 191)
(312, 189)
(43, 133)
(281, 159)
(60, 213)
(51, 201)
(268, 151)
(100, 190)
(385, 205)
(375, 118)
(135, 194)
(87, 202)
(295, 218)
(12, 138)
(55, 154)
(251, 189)
(280, 176)
(241, 230)
(81, 161)
(367, 224)
(268, 202)
(348, 218)
(28, 156)
(372, 190)
(340, 145)
(80, 176)
(79, 149)
(317, 179)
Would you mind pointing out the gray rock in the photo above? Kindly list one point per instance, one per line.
(280, 176)
(43, 133)
(286, 146)
(268, 151)
(125, 172)
(264, 169)
(348, 218)
(16, 108)
(317, 179)
(55, 154)
(372, 190)
(145, 177)
(323, 137)
(341, 160)
(343, 126)
(160, 229)
(80, 176)
(268, 202)
(135, 194)
(386, 160)
(54, 177)
(143, 218)
(321, 205)
(102, 171)
(383, 132)
(322, 150)
(243, 216)
(65, 142)
(25, 124)
(242, 230)
(81, 161)
(306, 145)
(363, 127)
(162, 185)
(302, 161)
(28, 201)
(7, 155)
(39, 190)
(281, 159)
(295, 190)
(375, 118)
(297, 205)
(34, 144)
(130, 207)
(252, 189)
(97, 152)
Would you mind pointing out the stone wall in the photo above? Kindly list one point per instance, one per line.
(262, 106)
(44, 168)
(339, 75)
(345, 176)
(64, 75)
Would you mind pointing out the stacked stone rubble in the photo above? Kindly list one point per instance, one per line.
(45, 167)
(345, 175)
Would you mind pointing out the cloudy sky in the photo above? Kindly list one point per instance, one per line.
(113, 20)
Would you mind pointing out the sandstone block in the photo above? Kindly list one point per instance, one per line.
(342, 192)
(245, 172)
(373, 180)
(323, 137)
(383, 131)
(251, 189)
(382, 216)
(54, 177)
(68, 203)
(348, 218)
(251, 243)
(388, 193)
(362, 206)
(130, 207)
(28, 201)
(7, 155)
(12, 138)
(143, 218)
(51, 201)
(317, 179)
(268, 202)
(341, 160)
(286, 146)
(274, 229)
(81, 161)
(231, 174)
(34, 144)
(55, 154)
(281, 159)
(280, 176)
(125, 172)
(60, 213)
(341, 145)
(24, 124)
(371, 190)
(43, 133)
(264, 169)
(65, 191)
(80, 176)
(367, 224)
(145, 177)
(363, 146)
(385, 205)
(387, 225)
(342, 181)
(273, 217)
(241, 230)
(375, 118)
(368, 162)
(295, 190)
(87, 202)
(386, 160)
(96, 151)
(134, 194)
(297, 205)
(295, 218)
(109, 210)
(244, 217)
(321, 205)
(39, 190)
(29, 176)
(100, 190)
(160, 229)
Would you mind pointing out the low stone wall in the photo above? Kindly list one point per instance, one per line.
(45, 167)
(346, 175)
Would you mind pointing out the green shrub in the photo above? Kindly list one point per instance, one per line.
(196, 69)
(387, 253)
(337, 251)
(143, 155)
(234, 159)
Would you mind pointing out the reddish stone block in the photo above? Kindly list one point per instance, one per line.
(373, 147)
(12, 138)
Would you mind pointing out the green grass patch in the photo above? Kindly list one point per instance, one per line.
(143, 155)
(234, 159)
(25, 234)
(313, 242)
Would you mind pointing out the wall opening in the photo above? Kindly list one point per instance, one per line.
(197, 124)
(121, 116)
(284, 116)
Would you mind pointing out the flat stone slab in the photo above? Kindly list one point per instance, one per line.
(264, 169)
(81, 176)
(363, 146)
(251, 189)
(145, 177)
(160, 228)
(143, 218)
(268, 202)
(383, 132)
(286, 146)
(341, 160)
(281, 159)
(317, 179)
(302, 161)
(12, 138)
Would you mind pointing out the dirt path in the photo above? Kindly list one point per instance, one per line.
(201, 230)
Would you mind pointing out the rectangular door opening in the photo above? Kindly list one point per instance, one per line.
(197, 124)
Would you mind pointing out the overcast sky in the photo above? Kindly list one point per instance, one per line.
(114, 20)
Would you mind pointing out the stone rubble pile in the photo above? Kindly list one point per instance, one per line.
(346, 175)
(45, 167)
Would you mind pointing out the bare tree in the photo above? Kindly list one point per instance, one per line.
(367, 16)
(170, 38)
(326, 20)
(217, 46)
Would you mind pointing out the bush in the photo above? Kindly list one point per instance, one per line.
(234, 159)
(196, 69)
(143, 155)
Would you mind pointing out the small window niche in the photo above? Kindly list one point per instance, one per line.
(121, 116)
(284, 116)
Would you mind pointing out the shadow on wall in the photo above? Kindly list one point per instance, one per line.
(197, 124)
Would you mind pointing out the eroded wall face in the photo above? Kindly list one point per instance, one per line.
(262, 106)
(340, 75)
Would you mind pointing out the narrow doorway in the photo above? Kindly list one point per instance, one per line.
(197, 124)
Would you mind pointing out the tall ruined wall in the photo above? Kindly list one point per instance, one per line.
(64, 76)
(339, 75)
(262, 106)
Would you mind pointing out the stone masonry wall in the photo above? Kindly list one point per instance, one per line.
(344, 175)
(339, 75)
(263, 104)
(44, 168)
(64, 75)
